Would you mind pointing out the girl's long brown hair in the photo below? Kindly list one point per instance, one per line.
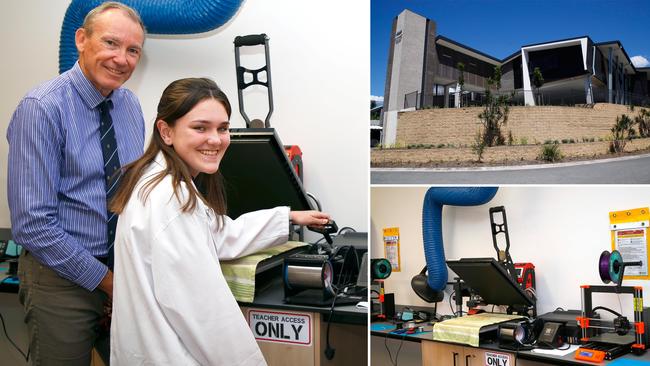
(176, 101)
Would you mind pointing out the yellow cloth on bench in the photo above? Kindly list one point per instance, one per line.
(466, 329)
(240, 273)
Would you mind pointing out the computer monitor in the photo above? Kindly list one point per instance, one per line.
(258, 174)
(487, 277)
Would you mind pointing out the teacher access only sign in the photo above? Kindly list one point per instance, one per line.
(282, 327)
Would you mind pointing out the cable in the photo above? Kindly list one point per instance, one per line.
(606, 309)
(455, 312)
(435, 311)
(451, 306)
(329, 351)
(315, 200)
(25, 356)
(390, 355)
(346, 229)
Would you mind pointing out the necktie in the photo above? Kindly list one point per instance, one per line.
(112, 171)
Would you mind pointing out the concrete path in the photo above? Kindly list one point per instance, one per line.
(624, 170)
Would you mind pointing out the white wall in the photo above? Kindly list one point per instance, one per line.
(562, 230)
(319, 68)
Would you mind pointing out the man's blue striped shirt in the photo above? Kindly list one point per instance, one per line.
(56, 189)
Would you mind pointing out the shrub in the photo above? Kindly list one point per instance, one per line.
(643, 121)
(622, 132)
(523, 141)
(550, 153)
(478, 147)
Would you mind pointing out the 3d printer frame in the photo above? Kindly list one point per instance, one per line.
(640, 337)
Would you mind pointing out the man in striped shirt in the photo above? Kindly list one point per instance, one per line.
(57, 191)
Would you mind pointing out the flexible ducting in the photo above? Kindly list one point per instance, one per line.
(158, 16)
(434, 250)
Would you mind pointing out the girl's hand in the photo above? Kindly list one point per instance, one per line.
(309, 218)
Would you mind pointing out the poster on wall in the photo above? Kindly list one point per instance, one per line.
(391, 247)
(629, 233)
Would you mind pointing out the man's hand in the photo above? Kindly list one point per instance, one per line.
(107, 284)
(309, 218)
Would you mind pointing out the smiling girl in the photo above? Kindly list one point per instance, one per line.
(171, 303)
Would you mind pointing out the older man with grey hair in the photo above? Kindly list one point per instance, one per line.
(68, 139)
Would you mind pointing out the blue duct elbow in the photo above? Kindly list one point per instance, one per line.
(158, 16)
(434, 250)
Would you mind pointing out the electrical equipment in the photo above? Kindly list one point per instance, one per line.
(551, 335)
(571, 332)
(304, 272)
(591, 355)
(516, 335)
(382, 306)
(326, 230)
(586, 320)
(380, 268)
(420, 285)
(490, 280)
(597, 352)
(525, 275)
(295, 157)
(316, 276)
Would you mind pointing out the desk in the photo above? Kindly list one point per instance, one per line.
(348, 331)
(441, 353)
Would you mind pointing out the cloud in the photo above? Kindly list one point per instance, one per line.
(381, 99)
(640, 61)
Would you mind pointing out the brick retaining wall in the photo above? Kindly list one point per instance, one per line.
(459, 126)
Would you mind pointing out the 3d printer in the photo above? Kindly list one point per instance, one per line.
(609, 345)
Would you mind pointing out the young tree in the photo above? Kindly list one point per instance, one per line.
(461, 81)
(495, 112)
(538, 81)
(496, 78)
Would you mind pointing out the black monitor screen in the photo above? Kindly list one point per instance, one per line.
(258, 175)
(490, 280)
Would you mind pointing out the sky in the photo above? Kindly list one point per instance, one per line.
(501, 27)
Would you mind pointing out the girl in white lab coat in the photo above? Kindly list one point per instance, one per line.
(171, 303)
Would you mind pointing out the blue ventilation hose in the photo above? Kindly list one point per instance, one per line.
(434, 250)
(158, 16)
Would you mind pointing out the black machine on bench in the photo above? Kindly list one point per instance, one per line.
(325, 272)
(264, 173)
(259, 176)
(497, 282)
